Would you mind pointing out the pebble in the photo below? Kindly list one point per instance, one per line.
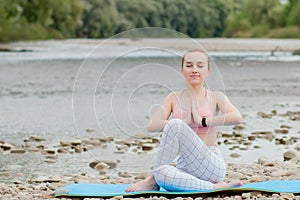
(122, 147)
(111, 163)
(290, 154)
(264, 115)
(78, 149)
(147, 147)
(18, 151)
(75, 142)
(65, 143)
(34, 138)
(51, 157)
(7, 146)
(247, 143)
(94, 163)
(41, 146)
(251, 137)
(50, 161)
(239, 126)
(237, 134)
(40, 179)
(282, 131)
(90, 130)
(285, 126)
(101, 167)
(106, 139)
(63, 150)
(227, 135)
(287, 195)
(256, 178)
(49, 151)
(94, 142)
(124, 175)
(33, 149)
(53, 179)
(282, 141)
(234, 155)
(246, 195)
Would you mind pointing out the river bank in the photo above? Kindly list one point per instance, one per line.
(50, 137)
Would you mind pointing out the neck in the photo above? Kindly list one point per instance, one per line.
(197, 90)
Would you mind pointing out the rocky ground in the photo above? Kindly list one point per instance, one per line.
(43, 187)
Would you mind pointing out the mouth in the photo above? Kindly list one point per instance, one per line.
(195, 76)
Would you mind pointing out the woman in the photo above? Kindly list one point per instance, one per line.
(191, 133)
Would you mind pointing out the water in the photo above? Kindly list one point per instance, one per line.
(59, 90)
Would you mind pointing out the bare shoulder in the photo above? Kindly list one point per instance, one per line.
(218, 96)
(174, 94)
(172, 97)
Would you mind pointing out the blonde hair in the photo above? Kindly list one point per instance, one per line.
(195, 50)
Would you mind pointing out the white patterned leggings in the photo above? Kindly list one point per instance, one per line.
(199, 165)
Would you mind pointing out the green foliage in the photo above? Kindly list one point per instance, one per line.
(43, 19)
(293, 13)
(38, 19)
(285, 32)
(265, 18)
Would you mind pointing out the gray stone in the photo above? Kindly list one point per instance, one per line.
(49, 151)
(147, 147)
(18, 151)
(234, 155)
(75, 142)
(290, 154)
(101, 167)
(90, 130)
(34, 138)
(111, 163)
(63, 150)
(65, 143)
(282, 131)
(94, 163)
(7, 146)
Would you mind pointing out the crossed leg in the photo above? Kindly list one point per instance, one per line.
(199, 168)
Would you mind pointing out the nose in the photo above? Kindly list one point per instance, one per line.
(195, 70)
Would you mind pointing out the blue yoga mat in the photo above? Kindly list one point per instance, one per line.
(109, 190)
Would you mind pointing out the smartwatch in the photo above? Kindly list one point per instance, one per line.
(203, 122)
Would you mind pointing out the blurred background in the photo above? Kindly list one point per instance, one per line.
(36, 19)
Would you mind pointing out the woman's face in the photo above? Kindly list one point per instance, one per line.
(195, 67)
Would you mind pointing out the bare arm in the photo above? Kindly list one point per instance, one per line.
(230, 114)
(160, 117)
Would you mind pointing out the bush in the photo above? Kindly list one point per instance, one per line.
(286, 32)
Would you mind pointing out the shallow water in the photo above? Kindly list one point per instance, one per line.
(56, 94)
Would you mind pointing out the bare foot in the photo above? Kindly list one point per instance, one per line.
(227, 185)
(148, 184)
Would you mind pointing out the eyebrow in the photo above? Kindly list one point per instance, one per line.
(193, 62)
